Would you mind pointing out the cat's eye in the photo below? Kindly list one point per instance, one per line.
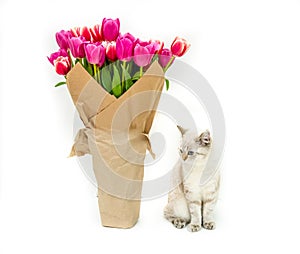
(190, 153)
(180, 150)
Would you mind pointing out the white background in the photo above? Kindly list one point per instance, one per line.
(250, 53)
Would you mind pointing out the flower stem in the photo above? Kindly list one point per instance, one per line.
(99, 77)
(141, 71)
(169, 63)
(95, 72)
(130, 67)
(69, 54)
(123, 77)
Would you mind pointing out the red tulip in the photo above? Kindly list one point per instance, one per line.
(111, 52)
(179, 46)
(96, 33)
(62, 65)
(55, 55)
(165, 57)
(81, 31)
(95, 54)
(110, 29)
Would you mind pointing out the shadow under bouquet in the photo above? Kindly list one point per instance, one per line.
(115, 81)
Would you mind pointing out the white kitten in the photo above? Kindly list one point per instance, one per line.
(189, 202)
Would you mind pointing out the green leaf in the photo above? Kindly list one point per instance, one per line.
(128, 81)
(167, 84)
(136, 76)
(60, 83)
(90, 69)
(155, 57)
(116, 83)
(106, 79)
(88, 66)
(85, 63)
(76, 61)
(128, 84)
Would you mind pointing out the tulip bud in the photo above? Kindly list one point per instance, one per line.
(111, 52)
(124, 47)
(55, 55)
(158, 45)
(81, 31)
(96, 33)
(76, 45)
(130, 37)
(165, 57)
(143, 53)
(62, 65)
(95, 54)
(110, 29)
(62, 39)
(179, 46)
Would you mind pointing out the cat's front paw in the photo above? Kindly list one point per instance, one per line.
(209, 225)
(179, 223)
(194, 227)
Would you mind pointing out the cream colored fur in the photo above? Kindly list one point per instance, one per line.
(190, 203)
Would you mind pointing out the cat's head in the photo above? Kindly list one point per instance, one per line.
(193, 144)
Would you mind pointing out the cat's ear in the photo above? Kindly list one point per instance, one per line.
(204, 138)
(207, 132)
(182, 130)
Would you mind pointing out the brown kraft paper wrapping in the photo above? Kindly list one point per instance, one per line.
(116, 135)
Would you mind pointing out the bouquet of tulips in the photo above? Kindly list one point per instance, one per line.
(116, 61)
(115, 81)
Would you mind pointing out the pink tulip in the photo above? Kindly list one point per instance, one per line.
(165, 57)
(111, 52)
(124, 47)
(76, 45)
(95, 53)
(151, 46)
(130, 37)
(179, 46)
(62, 65)
(158, 45)
(62, 39)
(81, 31)
(55, 55)
(143, 53)
(96, 33)
(110, 29)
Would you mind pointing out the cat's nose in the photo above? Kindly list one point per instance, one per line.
(184, 156)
